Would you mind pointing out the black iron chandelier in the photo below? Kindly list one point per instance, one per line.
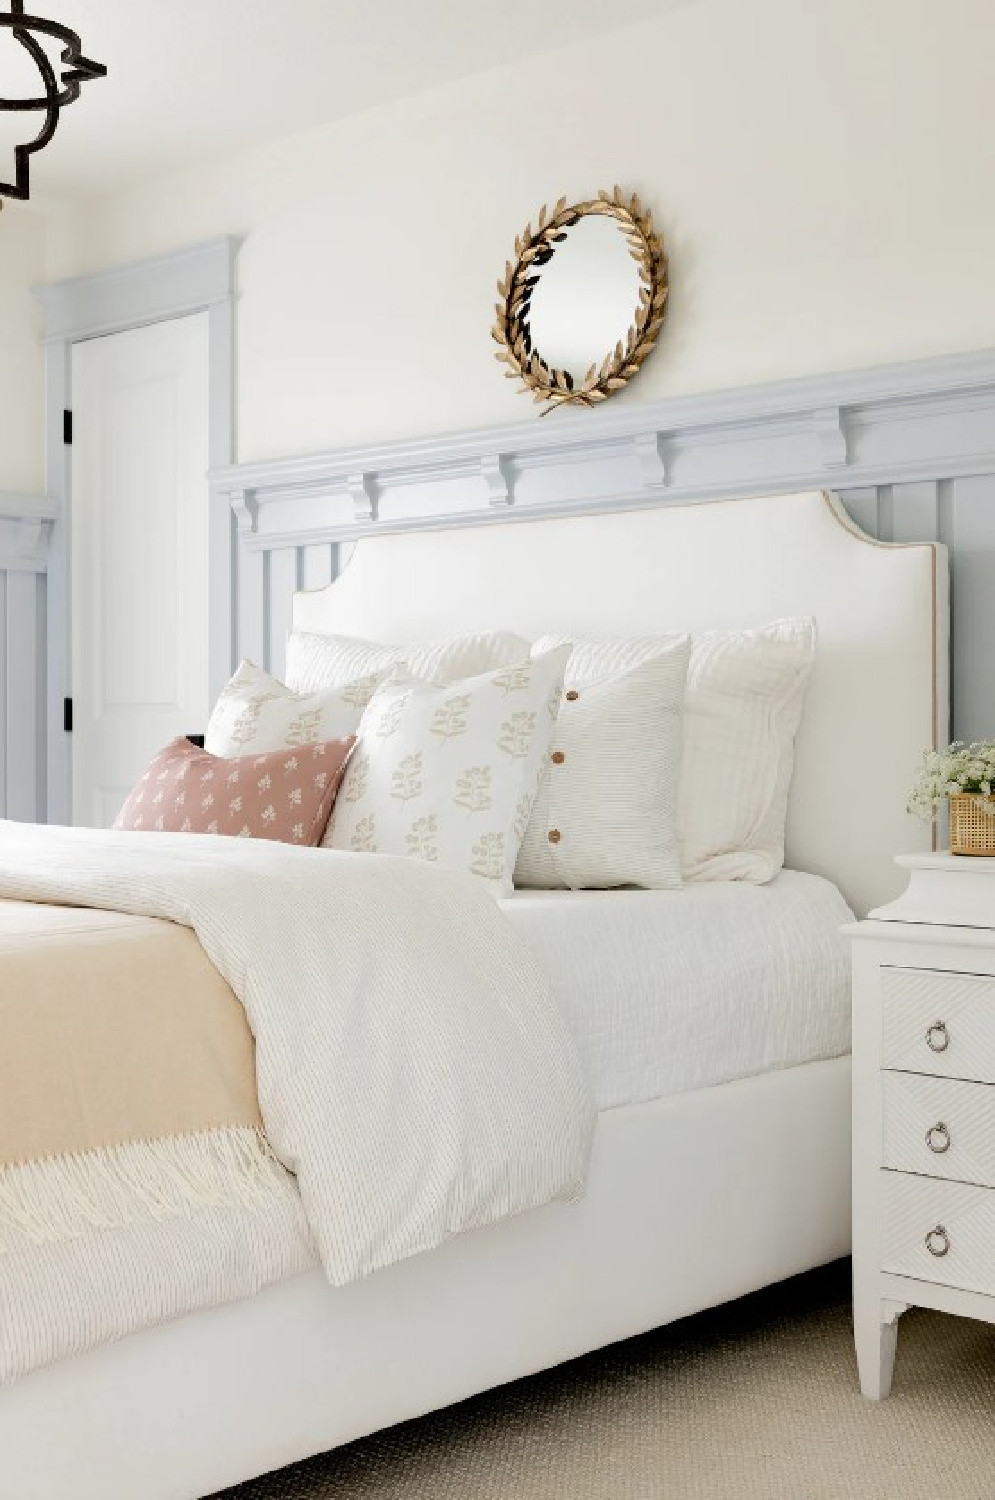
(60, 88)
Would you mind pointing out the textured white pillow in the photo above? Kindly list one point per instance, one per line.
(743, 706)
(318, 662)
(449, 774)
(255, 713)
(606, 810)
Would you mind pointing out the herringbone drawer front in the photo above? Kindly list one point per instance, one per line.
(939, 1231)
(939, 1023)
(942, 1127)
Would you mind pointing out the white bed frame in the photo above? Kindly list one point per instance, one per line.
(693, 1199)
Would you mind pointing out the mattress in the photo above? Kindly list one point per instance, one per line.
(668, 991)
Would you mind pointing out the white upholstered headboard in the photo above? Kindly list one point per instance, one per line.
(879, 691)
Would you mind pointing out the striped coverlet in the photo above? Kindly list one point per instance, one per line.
(413, 1072)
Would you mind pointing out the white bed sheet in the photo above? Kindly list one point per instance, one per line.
(669, 991)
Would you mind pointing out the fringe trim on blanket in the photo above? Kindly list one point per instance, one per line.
(62, 1197)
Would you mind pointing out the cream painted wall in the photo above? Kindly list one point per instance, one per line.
(822, 170)
(22, 264)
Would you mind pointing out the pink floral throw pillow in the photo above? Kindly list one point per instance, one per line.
(285, 795)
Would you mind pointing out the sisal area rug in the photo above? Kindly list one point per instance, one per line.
(754, 1401)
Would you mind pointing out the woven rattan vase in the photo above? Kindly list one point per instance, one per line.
(972, 824)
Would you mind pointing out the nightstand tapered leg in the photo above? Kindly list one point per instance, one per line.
(875, 1326)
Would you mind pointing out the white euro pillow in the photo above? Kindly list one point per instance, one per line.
(606, 810)
(449, 774)
(743, 706)
(255, 713)
(318, 662)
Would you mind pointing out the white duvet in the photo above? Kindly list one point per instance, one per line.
(413, 1069)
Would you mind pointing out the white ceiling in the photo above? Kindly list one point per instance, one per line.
(193, 77)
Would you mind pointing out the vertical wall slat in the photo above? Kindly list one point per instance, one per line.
(973, 606)
(24, 683)
(862, 507)
(916, 512)
(886, 513)
(252, 606)
(283, 580)
(317, 566)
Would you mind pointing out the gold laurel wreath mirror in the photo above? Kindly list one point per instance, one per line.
(591, 278)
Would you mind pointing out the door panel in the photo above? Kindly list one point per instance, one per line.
(139, 554)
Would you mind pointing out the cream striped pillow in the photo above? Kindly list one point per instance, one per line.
(606, 810)
(316, 663)
(745, 694)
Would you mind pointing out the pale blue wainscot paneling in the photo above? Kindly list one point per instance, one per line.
(25, 527)
(911, 450)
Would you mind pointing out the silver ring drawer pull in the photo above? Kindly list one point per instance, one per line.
(938, 1037)
(938, 1241)
(938, 1138)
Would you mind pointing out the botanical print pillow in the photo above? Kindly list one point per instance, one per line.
(255, 713)
(285, 795)
(606, 811)
(316, 663)
(449, 774)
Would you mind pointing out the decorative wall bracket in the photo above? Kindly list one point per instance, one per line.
(25, 532)
(498, 478)
(245, 509)
(653, 457)
(363, 493)
(830, 436)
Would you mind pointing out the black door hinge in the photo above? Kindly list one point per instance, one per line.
(67, 715)
(67, 428)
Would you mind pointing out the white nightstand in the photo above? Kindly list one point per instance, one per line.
(923, 1105)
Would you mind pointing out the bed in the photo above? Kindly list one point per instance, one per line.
(720, 1160)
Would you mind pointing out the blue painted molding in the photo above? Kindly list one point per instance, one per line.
(26, 523)
(166, 286)
(898, 424)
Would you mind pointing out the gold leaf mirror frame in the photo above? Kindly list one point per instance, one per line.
(549, 386)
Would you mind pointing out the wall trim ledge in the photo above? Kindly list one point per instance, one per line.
(930, 420)
(944, 385)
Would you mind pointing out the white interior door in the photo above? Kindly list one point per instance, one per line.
(139, 554)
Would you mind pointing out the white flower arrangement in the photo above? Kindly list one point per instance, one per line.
(951, 772)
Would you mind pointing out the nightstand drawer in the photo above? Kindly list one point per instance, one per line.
(939, 1126)
(939, 1023)
(939, 1231)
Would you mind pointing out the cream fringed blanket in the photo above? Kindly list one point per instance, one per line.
(127, 1076)
(412, 1068)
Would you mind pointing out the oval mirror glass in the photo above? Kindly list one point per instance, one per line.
(586, 296)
